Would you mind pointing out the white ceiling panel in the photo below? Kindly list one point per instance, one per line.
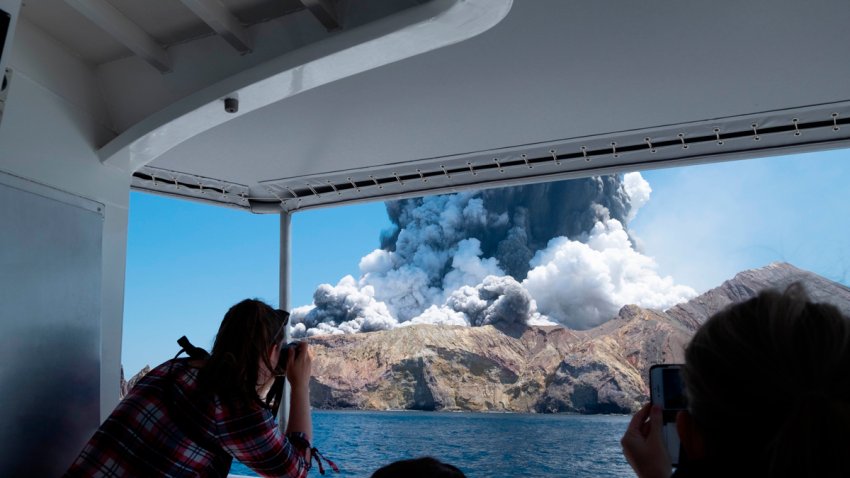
(256, 11)
(551, 72)
(551, 75)
(85, 39)
(168, 22)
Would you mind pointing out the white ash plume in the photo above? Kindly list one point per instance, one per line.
(494, 256)
(582, 284)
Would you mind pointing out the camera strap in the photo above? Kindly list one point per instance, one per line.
(314, 452)
(302, 443)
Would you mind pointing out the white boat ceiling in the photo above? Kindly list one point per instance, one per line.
(351, 101)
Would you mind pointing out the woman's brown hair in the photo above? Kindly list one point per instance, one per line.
(246, 335)
(768, 383)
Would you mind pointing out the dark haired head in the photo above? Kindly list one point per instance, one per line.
(768, 383)
(244, 340)
(425, 467)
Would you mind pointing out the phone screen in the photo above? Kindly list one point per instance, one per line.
(667, 390)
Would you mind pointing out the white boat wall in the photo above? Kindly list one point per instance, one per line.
(277, 106)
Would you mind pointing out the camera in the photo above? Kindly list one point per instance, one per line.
(284, 357)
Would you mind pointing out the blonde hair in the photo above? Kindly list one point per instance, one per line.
(768, 383)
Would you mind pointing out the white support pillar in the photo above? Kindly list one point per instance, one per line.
(283, 303)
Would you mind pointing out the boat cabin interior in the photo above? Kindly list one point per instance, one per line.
(278, 106)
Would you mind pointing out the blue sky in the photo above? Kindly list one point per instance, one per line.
(187, 263)
(705, 223)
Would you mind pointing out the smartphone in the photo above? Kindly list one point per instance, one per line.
(667, 390)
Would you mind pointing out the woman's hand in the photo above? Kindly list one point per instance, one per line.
(299, 366)
(643, 444)
(298, 369)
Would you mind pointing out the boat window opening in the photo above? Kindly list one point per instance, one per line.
(531, 310)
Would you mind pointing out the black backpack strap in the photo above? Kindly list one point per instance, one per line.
(191, 350)
(181, 420)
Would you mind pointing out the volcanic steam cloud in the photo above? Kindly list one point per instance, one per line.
(550, 253)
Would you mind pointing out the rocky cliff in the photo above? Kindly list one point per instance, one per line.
(127, 385)
(533, 369)
(748, 283)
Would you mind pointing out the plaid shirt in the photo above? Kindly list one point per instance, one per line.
(197, 437)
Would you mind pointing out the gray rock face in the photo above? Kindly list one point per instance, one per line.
(747, 284)
(127, 385)
(540, 369)
(534, 369)
(593, 387)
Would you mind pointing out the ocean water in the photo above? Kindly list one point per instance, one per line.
(483, 445)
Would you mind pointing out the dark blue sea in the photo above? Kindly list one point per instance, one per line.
(483, 445)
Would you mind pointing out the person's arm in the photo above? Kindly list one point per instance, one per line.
(255, 440)
(643, 445)
(298, 373)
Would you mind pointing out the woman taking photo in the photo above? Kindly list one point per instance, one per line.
(768, 387)
(191, 417)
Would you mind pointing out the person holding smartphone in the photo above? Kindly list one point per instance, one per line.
(191, 417)
(768, 389)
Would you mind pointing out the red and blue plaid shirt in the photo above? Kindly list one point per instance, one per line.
(163, 427)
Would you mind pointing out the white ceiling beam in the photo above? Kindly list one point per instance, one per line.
(325, 12)
(414, 31)
(107, 17)
(219, 18)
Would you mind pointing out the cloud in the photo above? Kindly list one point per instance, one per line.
(536, 254)
(583, 284)
(344, 308)
(638, 190)
(511, 223)
(468, 267)
(496, 300)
